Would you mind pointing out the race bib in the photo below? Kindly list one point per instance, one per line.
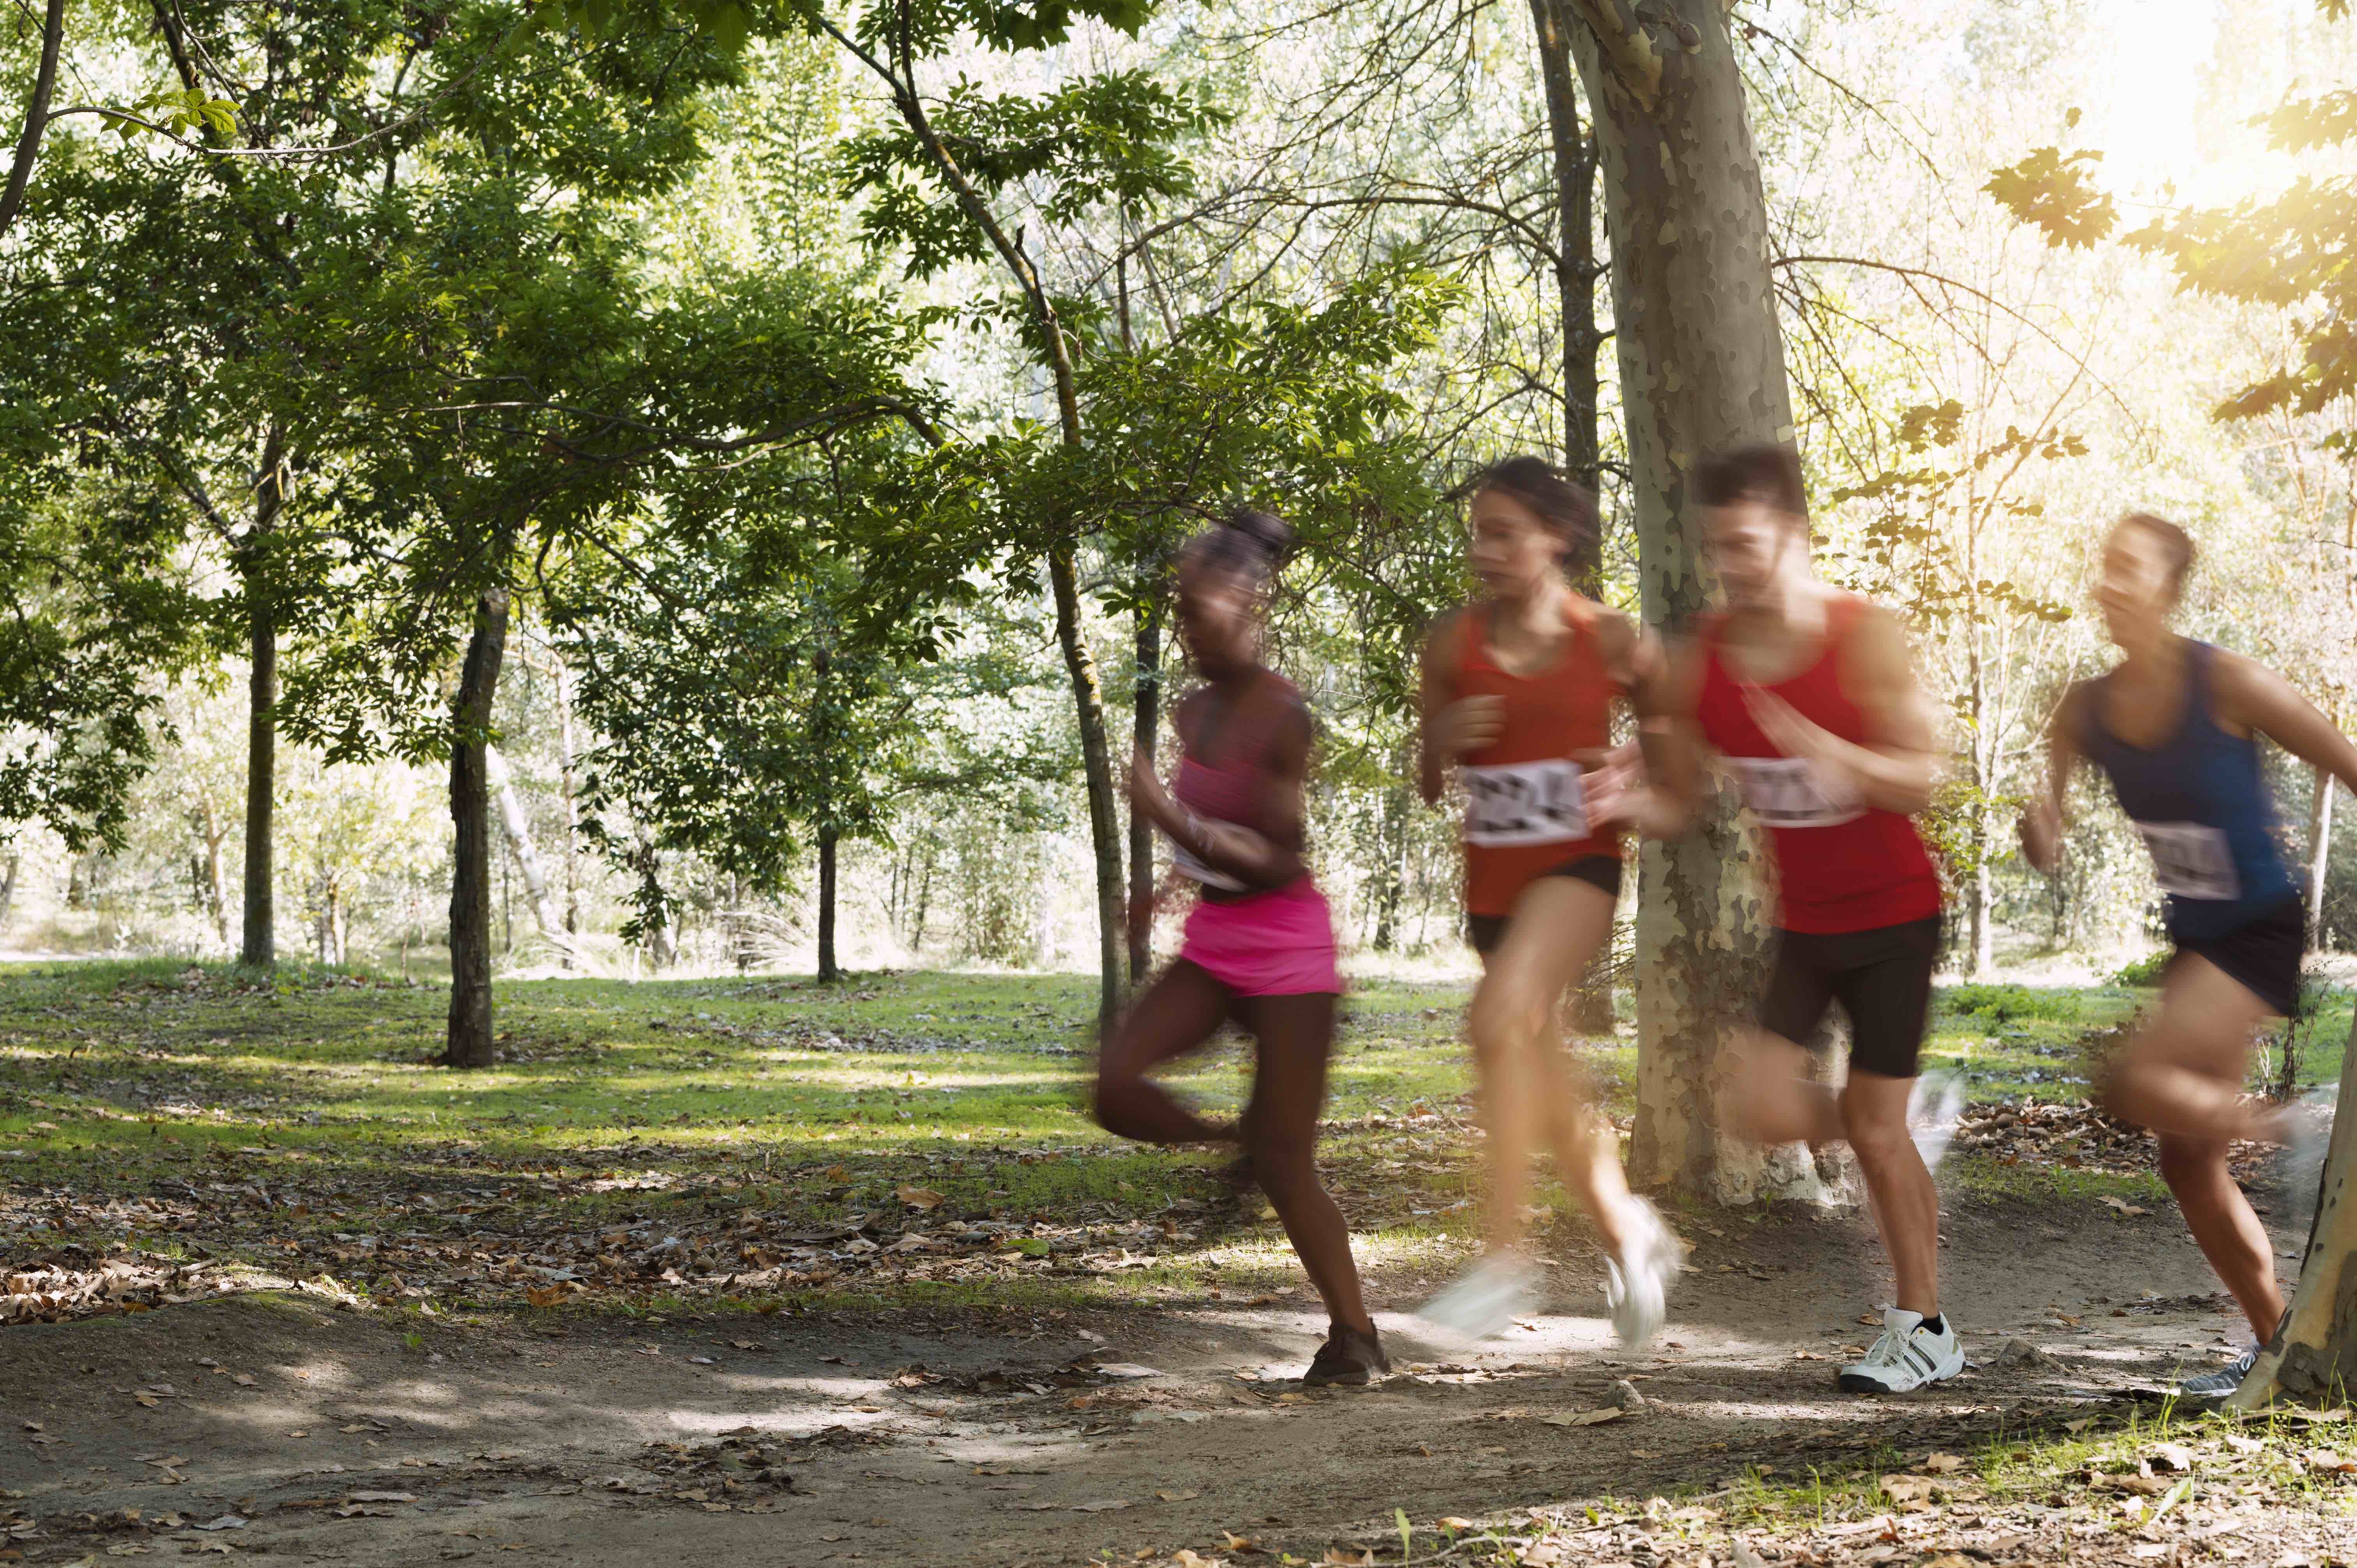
(2191, 860)
(1186, 864)
(1792, 792)
(1524, 803)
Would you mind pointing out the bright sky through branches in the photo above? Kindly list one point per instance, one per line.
(2157, 50)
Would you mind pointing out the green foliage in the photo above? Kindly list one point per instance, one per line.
(2146, 971)
(2006, 1004)
(2055, 192)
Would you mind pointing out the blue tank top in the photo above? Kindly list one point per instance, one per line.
(2198, 800)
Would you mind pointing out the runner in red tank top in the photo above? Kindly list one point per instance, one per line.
(1806, 694)
(1518, 695)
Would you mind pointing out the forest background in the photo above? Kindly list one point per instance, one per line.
(625, 406)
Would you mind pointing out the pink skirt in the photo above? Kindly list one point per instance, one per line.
(1277, 943)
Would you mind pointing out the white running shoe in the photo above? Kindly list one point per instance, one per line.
(1907, 1356)
(1486, 1300)
(1933, 1110)
(1637, 1284)
(2217, 1385)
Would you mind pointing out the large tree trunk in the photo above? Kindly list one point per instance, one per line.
(2319, 850)
(2314, 1354)
(1144, 731)
(828, 972)
(261, 945)
(470, 1041)
(1702, 368)
(1104, 818)
(519, 836)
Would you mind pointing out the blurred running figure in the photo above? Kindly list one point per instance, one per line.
(1807, 694)
(1259, 946)
(2175, 725)
(1518, 695)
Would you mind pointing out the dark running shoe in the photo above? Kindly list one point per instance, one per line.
(1347, 1358)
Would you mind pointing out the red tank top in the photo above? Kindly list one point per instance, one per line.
(1842, 866)
(1524, 814)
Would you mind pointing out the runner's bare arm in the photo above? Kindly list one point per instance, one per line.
(1659, 801)
(1898, 762)
(1447, 727)
(2256, 697)
(2042, 823)
(1259, 860)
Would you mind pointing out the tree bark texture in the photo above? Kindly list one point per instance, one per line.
(469, 1040)
(216, 882)
(2314, 1354)
(829, 972)
(1144, 732)
(37, 114)
(1702, 368)
(260, 943)
(1104, 818)
(8, 888)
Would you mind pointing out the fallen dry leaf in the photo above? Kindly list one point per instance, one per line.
(1107, 1507)
(1449, 1521)
(1597, 1417)
(1178, 1497)
(920, 1197)
(2171, 1456)
(1335, 1554)
(1906, 1488)
(2330, 1461)
(2123, 1207)
(1944, 1463)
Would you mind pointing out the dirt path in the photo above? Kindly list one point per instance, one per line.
(340, 1436)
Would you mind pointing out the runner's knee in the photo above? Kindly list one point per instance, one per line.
(1506, 1016)
(2189, 1162)
(1120, 1104)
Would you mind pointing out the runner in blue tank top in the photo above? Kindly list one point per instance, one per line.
(2176, 727)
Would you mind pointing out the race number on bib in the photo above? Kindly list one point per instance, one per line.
(2191, 860)
(1792, 792)
(1524, 803)
(1186, 864)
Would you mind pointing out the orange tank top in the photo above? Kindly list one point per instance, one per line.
(1524, 813)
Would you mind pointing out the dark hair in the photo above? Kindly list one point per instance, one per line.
(1761, 473)
(1567, 509)
(2176, 544)
(1248, 542)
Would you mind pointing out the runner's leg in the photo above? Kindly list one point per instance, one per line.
(1180, 1013)
(1905, 1201)
(2182, 1077)
(1295, 1036)
(1770, 1095)
(1531, 1088)
(2183, 1072)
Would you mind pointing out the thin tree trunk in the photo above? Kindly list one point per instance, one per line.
(1702, 368)
(216, 884)
(2314, 1354)
(8, 888)
(828, 973)
(37, 114)
(470, 1041)
(1575, 268)
(1146, 728)
(1105, 817)
(1391, 874)
(572, 806)
(518, 832)
(261, 945)
(2319, 850)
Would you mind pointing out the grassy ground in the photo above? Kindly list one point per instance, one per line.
(300, 1124)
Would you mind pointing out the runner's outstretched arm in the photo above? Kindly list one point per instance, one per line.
(1655, 789)
(1898, 762)
(2257, 697)
(2042, 823)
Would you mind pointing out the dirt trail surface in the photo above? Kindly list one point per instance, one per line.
(283, 1428)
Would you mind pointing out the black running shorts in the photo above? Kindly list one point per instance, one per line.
(1486, 931)
(1882, 978)
(2263, 954)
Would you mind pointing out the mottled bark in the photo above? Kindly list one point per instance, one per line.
(470, 1042)
(1702, 368)
(2314, 1354)
(213, 831)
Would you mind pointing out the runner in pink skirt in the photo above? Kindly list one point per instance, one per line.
(1259, 949)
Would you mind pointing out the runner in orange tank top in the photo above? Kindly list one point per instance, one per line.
(1518, 694)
